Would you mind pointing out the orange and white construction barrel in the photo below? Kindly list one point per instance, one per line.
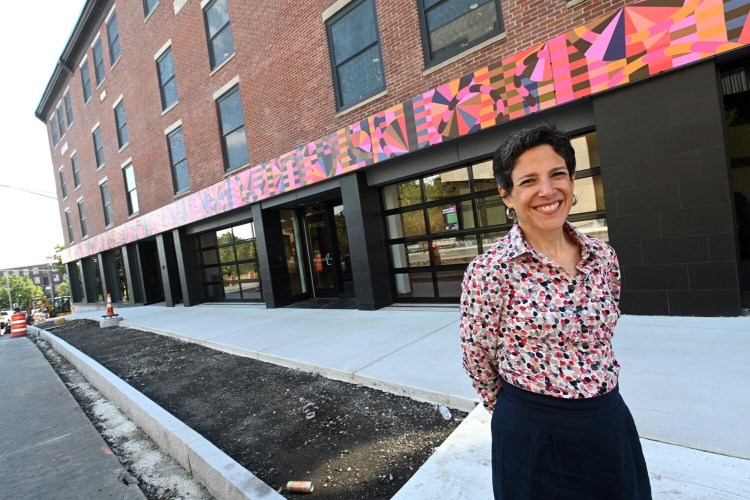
(18, 325)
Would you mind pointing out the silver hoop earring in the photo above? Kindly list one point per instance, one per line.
(510, 213)
(575, 200)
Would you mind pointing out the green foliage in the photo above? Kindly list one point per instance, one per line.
(63, 289)
(21, 289)
(56, 260)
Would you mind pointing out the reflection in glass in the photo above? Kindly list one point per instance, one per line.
(245, 250)
(590, 195)
(596, 228)
(587, 151)
(458, 250)
(211, 274)
(210, 257)
(414, 285)
(244, 232)
(483, 177)
(402, 195)
(489, 239)
(292, 251)
(406, 224)
(491, 211)
(446, 184)
(449, 283)
(450, 217)
(410, 255)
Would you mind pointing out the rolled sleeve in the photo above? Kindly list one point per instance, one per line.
(480, 337)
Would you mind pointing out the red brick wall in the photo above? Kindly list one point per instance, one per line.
(282, 60)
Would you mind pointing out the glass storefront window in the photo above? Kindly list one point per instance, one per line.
(293, 251)
(230, 266)
(464, 217)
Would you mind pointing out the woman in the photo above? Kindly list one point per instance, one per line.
(538, 311)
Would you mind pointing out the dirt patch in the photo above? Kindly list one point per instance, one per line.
(280, 424)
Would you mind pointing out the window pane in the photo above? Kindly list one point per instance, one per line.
(414, 285)
(360, 77)
(129, 177)
(98, 61)
(149, 6)
(596, 228)
(590, 195)
(63, 186)
(410, 255)
(248, 271)
(246, 250)
(484, 179)
(166, 66)
(236, 144)
(224, 237)
(86, 81)
(489, 239)
(68, 108)
(217, 15)
(587, 151)
(402, 195)
(208, 240)
(353, 32)
(406, 224)
(176, 146)
(113, 38)
(449, 283)
(133, 197)
(446, 184)
(251, 291)
(451, 217)
(169, 92)
(491, 211)
(222, 46)
(457, 250)
(210, 257)
(60, 120)
(212, 274)
(455, 25)
(230, 111)
(214, 292)
(244, 232)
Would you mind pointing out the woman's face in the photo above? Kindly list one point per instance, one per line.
(542, 191)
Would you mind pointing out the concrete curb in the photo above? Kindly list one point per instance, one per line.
(423, 395)
(222, 476)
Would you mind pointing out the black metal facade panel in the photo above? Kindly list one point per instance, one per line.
(668, 195)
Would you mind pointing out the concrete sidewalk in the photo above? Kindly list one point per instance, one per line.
(49, 448)
(683, 378)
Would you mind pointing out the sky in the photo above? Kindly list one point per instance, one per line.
(34, 35)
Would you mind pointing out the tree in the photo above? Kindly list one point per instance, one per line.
(56, 260)
(63, 289)
(21, 289)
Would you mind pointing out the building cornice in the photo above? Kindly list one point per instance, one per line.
(91, 17)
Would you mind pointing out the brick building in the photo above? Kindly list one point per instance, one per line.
(42, 275)
(286, 151)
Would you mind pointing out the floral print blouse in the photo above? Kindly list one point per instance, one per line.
(525, 320)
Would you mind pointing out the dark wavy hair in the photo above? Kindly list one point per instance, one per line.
(522, 140)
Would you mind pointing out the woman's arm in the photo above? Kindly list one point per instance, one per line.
(479, 337)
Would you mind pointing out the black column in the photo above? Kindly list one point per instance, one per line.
(667, 190)
(189, 268)
(88, 279)
(132, 274)
(367, 247)
(108, 274)
(74, 280)
(271, 258)
(169, 274)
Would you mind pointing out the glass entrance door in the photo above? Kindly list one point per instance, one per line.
(323, 255)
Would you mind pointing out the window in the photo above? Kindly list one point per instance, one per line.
(60, 120)
(180, 178)
(86, 81)
(98, 61)
(449, 27)
(36, 280)
(63, 184)
(35, 270)
(53, 128)
(76, 172)
(233, 140)
(438, 223)
(82, 218)
(130, 189)
(149, 6)
(106, 202)
(122, 124)
(355, 54)
(230, 264)
(98, 147)
(68, 108)
(113, 39)
(167, 81)
(219, 32)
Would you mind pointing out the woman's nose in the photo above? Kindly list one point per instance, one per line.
(546, 188)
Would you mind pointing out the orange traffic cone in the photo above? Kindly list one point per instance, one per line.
(110, 311)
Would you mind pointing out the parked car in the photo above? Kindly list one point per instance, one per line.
(5, 321)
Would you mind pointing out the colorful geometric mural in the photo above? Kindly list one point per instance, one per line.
(637, 41)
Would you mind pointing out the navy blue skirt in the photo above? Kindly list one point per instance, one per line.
(545, 447)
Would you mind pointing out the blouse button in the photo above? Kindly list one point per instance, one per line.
(585, 345)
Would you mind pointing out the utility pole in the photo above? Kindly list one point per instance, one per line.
(7, 286)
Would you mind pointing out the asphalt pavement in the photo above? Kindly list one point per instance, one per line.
(684, 380)
(49, 448)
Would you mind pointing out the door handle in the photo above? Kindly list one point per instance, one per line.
(328, 259)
